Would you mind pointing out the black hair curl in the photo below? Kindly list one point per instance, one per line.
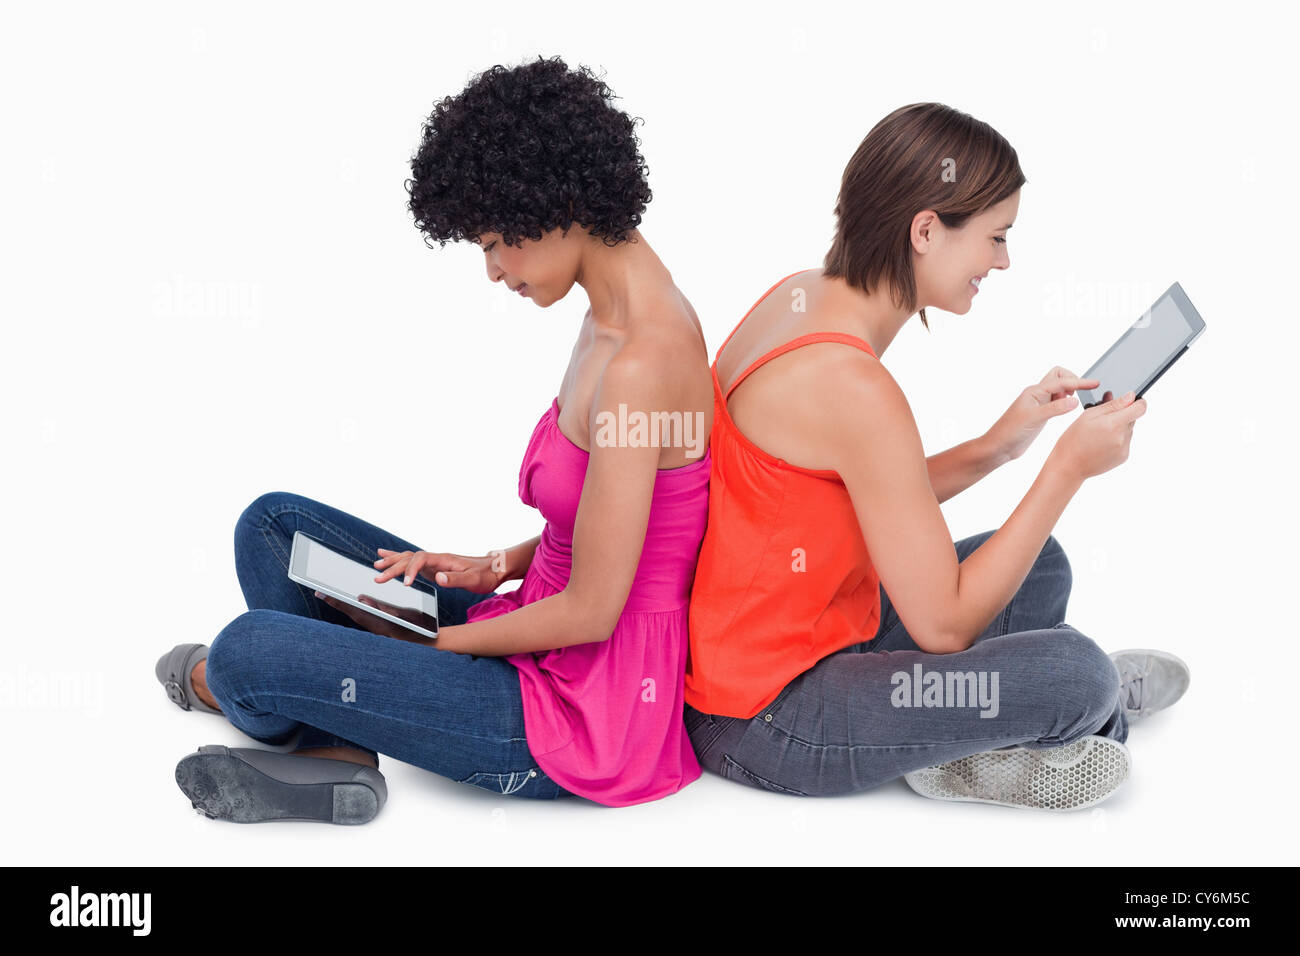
(527, 149)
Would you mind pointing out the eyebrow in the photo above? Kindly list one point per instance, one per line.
(1008, 225)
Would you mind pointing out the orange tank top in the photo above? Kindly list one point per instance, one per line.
(783, 577)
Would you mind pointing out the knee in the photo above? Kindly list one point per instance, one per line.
(1085, 677)
(1054, 555)
(264, 508)
(239, 650)
(1052, 550)
(258, 516)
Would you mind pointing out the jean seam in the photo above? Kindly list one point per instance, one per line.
(358, 548)
(763, 782)
(1006, 618)
(272, 541)
(518, 779)
(350, 708)
(273, 545)
(793, 738)
(709, 741)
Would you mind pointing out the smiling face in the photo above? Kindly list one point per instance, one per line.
(543, 270)
(950, 263)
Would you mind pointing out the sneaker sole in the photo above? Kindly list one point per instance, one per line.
(221, 786)
(1078, 775)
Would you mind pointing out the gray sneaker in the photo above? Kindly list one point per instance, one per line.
(1150, 680)
(1071, 777)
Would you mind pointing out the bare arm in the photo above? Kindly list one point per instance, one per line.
(513, 563)
(991, 575)
(955, 470)
(610, 528)
(943, 604)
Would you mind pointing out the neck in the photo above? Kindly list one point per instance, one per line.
(876, 318)
(613, 276)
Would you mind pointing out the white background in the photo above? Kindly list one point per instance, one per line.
(212, 289)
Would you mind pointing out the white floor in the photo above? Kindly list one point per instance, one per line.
(97, 788)
(212, 290)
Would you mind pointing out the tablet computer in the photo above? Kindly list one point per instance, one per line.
(323, 569)
(1146, 350)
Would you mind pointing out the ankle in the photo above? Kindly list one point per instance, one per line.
(199, 681)
(350, 754)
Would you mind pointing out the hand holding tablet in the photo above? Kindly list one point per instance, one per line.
(1110, 392)
(379, 623)
(350, 583)
(1146, 350)
(1098, 440)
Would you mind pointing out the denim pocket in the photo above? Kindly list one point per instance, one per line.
(506, 783)
(734, 771)
(693, 719)
(704, 731)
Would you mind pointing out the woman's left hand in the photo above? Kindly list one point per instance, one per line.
(1020, 424)
(378, 625)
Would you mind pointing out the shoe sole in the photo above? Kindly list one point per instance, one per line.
(222, 786)
(1073, 777)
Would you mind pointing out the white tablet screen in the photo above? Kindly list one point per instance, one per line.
(339, 573)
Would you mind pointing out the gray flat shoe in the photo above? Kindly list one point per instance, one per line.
(174, 669)
(245, 785)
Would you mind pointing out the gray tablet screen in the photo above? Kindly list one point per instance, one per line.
(1145, 350)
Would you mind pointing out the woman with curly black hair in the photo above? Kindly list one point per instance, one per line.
(571, 684)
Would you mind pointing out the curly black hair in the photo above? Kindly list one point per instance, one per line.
(524, 150)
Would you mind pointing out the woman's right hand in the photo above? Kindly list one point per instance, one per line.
(480, 575)
(1098, 439)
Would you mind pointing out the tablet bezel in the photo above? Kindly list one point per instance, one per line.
(297, 572)
(1196, 327)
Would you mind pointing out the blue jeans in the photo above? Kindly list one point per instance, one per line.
(292, 664)
(858, 718)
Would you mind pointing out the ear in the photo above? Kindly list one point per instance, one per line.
(924, 230)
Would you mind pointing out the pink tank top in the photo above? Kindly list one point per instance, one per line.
(604, 720)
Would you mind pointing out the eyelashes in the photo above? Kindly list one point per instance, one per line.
(1001, 239)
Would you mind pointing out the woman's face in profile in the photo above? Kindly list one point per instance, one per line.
(543, 269)
(957, 260)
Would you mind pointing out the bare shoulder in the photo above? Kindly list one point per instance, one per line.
(837, 368)
(665, 346)
(645, 373)
(837, 379)
(862, 408)
(637, 370)
(667, 320)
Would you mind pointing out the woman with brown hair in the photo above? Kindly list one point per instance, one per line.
(805, 676)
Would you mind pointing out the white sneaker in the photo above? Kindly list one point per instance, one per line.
(1150, 680)
(1077, 775)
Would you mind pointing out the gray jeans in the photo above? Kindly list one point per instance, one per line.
(879, 709)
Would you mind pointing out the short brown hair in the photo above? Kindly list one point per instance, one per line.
(898, 170)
